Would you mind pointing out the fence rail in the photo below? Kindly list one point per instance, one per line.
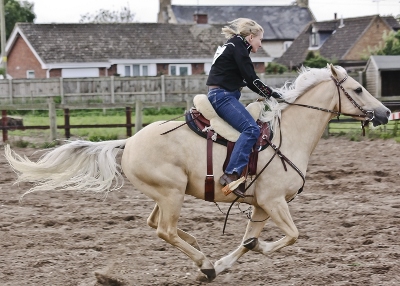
(111, 91)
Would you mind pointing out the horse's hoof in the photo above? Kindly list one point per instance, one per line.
(250, 243)
(210, 273)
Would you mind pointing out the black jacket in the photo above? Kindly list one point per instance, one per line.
(232, 68)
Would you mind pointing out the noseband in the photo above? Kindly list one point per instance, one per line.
(369, 115)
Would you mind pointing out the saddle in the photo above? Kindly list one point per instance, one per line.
(215, 129)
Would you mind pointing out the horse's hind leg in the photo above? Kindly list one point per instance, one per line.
(152, 221)
(168, 210)
(254, 228)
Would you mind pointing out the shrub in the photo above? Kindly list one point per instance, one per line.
(317, 61)
(275, 68)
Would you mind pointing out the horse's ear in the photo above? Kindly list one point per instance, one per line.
(333, 70)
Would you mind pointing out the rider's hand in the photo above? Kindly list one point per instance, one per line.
(277, 95)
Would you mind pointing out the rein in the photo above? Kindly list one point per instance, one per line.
(369, 115)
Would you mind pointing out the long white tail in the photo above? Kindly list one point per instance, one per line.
(76, 165)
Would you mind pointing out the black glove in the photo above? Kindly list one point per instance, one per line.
(277, 95)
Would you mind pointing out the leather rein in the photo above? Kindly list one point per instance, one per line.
(369, 115)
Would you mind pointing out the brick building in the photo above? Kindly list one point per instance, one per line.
(349, 41)
(129, 49)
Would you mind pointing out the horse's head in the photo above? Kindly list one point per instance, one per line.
(355, 99)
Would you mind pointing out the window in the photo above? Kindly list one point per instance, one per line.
(181, 69)
(136, 70)
(127, 70)
(314, 40)
(286, 45)
(30, 74)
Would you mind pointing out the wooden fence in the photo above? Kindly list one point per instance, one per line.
(110, 92)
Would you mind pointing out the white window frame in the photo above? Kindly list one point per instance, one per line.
(141, 69)
(30, 72)
(314, 40)
(178, 66)
(286, 45)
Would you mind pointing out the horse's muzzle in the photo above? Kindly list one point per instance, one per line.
(381, 116)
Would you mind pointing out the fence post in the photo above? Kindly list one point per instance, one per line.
(53, 119)
(4, 125)
(112, 90)
(10, 91)
(138, 115)
(162, 88)
(189, 104)
(66, 123)
(62, 90)
(128, 114)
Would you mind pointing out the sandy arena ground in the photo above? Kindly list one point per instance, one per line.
(348, 217)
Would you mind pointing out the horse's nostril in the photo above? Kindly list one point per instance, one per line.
(388, 113)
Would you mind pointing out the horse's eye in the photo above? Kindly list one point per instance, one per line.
(358, 90)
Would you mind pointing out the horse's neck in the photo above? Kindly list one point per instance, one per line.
(302, 127)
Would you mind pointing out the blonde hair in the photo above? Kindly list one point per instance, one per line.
(243, 27)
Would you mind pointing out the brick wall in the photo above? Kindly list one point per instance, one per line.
(112, 70)
(198, 68)
(162, 69)
(371, 38)
(21, 59)
(55, 73)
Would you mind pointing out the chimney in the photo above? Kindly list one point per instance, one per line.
(341, 22)
(200, 18)
(163, 15)
(302, 3)
(335, 16)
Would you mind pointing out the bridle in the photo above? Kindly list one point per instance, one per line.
(369, 115)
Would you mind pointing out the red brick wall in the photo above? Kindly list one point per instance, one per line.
(112, 70)
(162, 69)
(55, 73)
(371, 38)
(21, 59)
(197, 68)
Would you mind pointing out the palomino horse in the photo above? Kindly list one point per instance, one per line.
(168, 167)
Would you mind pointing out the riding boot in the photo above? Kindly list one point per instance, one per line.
(233, 184)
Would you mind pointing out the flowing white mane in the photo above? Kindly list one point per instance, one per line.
(308, 78)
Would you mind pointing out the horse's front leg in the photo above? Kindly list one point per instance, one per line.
(254, 228)
(278, 210)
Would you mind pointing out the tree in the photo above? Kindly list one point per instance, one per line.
(391, 44)
(316, 61)
(106, 16)
(17, 11)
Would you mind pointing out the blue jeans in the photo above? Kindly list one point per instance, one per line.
(228, 107)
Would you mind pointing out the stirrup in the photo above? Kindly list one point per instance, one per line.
(232, 186)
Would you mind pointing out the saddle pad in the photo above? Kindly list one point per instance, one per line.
(220, 126)
(197, 122)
